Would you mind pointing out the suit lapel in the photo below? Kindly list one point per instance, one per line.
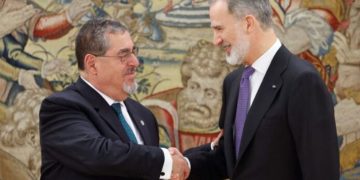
(233, 93)
(138, 121)
(269, 87)
(101, 106)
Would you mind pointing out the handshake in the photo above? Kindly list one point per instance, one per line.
(180, 168)
(181, 165)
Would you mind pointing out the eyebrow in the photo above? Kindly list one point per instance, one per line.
(125, 50)
(215, 26)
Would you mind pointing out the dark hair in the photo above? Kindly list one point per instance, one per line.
(92, 39)
(260, 9)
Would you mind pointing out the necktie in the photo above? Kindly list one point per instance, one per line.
(242, 106)
(129, 132)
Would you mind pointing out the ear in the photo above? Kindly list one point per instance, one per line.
(250, 23)
(90, 64)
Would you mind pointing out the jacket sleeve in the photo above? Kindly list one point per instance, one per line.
(68, 135)
(312, 124)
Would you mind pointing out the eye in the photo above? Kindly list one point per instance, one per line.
(217, 28)
(124, 56)
(193, 86)
(127, 55)
(210, 93)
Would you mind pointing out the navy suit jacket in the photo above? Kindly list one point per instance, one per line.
(82, 138)
(289, 133)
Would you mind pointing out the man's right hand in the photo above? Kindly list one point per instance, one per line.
(181, 169)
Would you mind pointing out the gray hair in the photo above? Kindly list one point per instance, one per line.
(92, 38)
(260, 9)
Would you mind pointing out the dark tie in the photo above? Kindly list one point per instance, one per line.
(242, 106)
(129, 132)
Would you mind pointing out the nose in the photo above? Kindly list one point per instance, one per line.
(133, 61)
(217, 40)
(199, 98)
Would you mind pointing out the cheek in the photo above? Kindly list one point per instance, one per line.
(186, 96)
(110, 74)
(229, 34)
(212, 102)
(188, 92)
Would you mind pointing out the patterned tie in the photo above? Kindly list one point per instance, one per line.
(129, 132)
(242, 106)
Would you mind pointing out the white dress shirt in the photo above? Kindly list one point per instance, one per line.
(261, 65)
(167, 166)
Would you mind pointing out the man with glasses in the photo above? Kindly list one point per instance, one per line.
(93, 130)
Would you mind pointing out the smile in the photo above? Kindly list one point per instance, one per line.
(227, 49)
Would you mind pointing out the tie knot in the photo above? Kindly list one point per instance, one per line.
(247, 72)
(116, 107)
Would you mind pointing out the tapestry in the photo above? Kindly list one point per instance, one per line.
(181, 72)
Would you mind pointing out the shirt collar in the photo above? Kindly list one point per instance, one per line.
(263, 62)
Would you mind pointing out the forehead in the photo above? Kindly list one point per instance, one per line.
(119, 40)
(207, 82)
(219, 13)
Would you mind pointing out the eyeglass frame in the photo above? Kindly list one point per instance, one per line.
(123, 58)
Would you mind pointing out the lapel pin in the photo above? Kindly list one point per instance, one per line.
(142, 122)
(273, 86)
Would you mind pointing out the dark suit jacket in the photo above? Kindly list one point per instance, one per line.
(289, 133)
(82, 138)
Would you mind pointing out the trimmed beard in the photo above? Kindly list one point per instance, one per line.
(239, 51)
(130, 88)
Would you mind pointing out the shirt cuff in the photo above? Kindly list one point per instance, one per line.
(188, 162)
(212, 146)
(167, 167)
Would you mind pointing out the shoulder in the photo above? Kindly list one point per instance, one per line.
(68, 97)
(300, 68)
(133, 104)
(301, 75)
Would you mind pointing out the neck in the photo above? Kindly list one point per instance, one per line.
(106, 89)
(261, 42)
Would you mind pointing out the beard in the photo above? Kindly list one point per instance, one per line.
(239, 51)
(130, 88)
(132, 85)
(196, 118)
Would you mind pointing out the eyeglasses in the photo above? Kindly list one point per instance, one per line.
(125, 54)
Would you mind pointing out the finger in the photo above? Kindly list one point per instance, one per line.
(82, 5)
(338, 41)
(83, 8)
(172, 151)
(20, 16)
(31, 84)
(186, 173)
(176, 150)
(29, 10)
(340, 57)
(33, 72)
(175, 176)
(181, 177)
(339, 37)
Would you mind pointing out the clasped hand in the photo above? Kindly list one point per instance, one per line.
(181, 169)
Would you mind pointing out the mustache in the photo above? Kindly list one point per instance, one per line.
(202, 109)
(130, 70)
(225, 45)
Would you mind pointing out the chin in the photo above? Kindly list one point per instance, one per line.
(130, 88)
